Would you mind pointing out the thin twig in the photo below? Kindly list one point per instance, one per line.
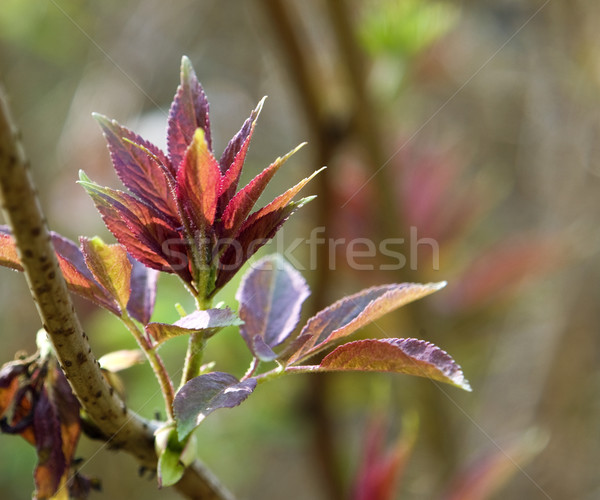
(122, 428)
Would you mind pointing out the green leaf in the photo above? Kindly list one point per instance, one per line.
(173, 455)
(407, 356)
(110, 266)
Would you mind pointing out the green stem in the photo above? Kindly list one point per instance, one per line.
(156, 363)
(195, 350)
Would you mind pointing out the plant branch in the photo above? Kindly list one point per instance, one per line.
(196, 345)
(121, 428)
(156, 363)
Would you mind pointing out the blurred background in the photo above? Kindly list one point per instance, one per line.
(469, 129)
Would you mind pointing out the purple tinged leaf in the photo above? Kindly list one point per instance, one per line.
(251, 238)
(208, 320)
(189, 111)
(241, 204)
(355, 311)
(232, 160)
(407, 356)
(206, 393)
(143, 292)
(198, 183)
(110, 266)
(79, 278)
(270, 296)
(281, 201)
(135, 161)
(147, 236)
(72, 264)
(240, 140)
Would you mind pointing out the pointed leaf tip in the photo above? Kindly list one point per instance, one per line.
(407, 356)
(350, 313)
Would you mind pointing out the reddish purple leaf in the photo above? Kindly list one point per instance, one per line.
(208, 320)
(72, 264)
(241, 204)
(408, 356)
(206, 393)
(138, 165)
(140, 229)
(270, 296)
(188, 112)
(233, 157)
(251, 238)
(143, 291)
(355, 311)
(280, 202)
(77, 275)
(198, 183)
(111, 267)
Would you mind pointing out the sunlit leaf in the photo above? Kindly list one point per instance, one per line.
(138, 165)
(355, 311)
(232, 159)
(270, 296)
(72, 264)
(252, 237)
(240, 206)
(120, 360)
(206, 393)
(189, 111)
(147, 236)
(407, 356)
(111, 267)
(280, 202)
(77, 275)
(207, 320)
(198, 183)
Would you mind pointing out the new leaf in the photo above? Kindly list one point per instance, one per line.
(270, 296)
(407, 356)
(355, 311)
(206, 393)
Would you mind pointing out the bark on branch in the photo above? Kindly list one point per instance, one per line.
(123, 428)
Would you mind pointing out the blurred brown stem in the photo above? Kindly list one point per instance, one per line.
(364, 119)
(327, 134)
(122, 428)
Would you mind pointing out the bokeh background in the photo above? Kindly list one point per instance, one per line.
(474, 124)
